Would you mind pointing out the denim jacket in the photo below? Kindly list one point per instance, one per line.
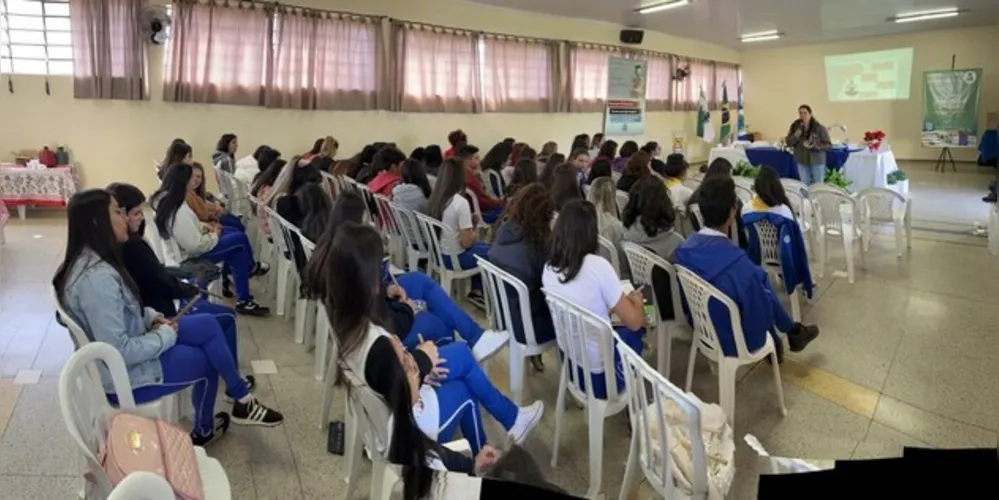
(97, 298)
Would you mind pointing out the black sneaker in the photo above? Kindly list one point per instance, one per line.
(259, 269)
(227, 288)
(221, 426)
(476, 298)
(251, 383)
(801, 336)
(989, 199)
(254, 413)
(251, 308)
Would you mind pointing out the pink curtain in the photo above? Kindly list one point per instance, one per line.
(518, 75)
(325, 60)
(218, 53)
(688, 91)
(659, 81)
(726, 74)
(438, 69)
(109, 56)
(588, 76)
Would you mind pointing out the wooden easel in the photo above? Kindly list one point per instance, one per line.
(945, 154)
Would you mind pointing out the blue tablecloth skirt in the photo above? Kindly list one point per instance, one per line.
(987, 147)
(784, 162)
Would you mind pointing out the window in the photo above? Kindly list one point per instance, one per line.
(589, 78)
(440, 70)
(515, 74)
(688, 91)
(659, 82)
(727, 75)
(35, 38)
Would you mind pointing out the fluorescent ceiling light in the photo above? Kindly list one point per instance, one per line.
(926, 15)
(762, 38)
(661, 6)
(760, 33)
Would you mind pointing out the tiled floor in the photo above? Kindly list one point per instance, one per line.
(909, 354)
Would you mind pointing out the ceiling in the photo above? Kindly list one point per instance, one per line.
(801, 21)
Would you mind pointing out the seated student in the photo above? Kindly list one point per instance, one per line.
(495, 159)
(524, 173)
(413, 190)
(547, 150)
(676, 170)
(603, 196)
(608, 151)
(770, 196)
(580, 159)
(653, 149)
(324, 147)
(565, 186)
(162, 356)
(347, 168)
(628, 149)
(249, 167)
(433, 158)
(576, 272)
(158, 289)
(520, 152)
(175, 220)
(448, 204)
(261, 189)
(649, 216)
(178, 152)
(224, 156)
(722, 168)
(417, 306)
(446, 383)
(600, 168)
(712, 255)
(638, 167)
(386, 165)
(208, 211)
(456, 139)
(596, 144)
(547, 175)
(491, 207)
(521, 248)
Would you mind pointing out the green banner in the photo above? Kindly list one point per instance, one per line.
(950, 108)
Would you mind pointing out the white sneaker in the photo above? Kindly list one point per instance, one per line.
(527, 419)
(490, 343)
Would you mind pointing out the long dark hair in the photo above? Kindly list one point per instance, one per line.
(386, 158)
(600, 168)
(348, 207)
(769, 189)
(608, 149)
(89, 226)
(574, 237)
(128, 197)
(628, 148)
(548, 172)
(497, 157)
(413, 173)
(170, 197)
(176, 153)
(433, 156)
(450, 181)
(720, 167)
(565, 185)
(531, 208)
(223, 144)
(649, 204)
(409, 446)
(306, 174)
(638, 165)
(524, 173)
(268, 176)
(316, 205)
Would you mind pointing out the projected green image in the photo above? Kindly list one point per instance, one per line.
(869, 76)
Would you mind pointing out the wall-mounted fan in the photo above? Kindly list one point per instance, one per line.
(682, 72)
(156, 25)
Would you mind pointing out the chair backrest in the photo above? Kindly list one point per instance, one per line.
(152, 235)
(409, 226)
(338, 183)
(80, 337)
(495, 182)
(237, 193)
(276, 222)
(609, 251)
(744, 193)
(474, 203)
(834, 207)
(434, 232)
(643, 262)
(502, 289)
(576, 330)
(622, 200)
(699, 294)
(84, 405)
(881, 204)
(745, 182)
(794, 186)
(225, 189)
(386, 217)
(768, 237)
(373, 413)
(649, 396)
(432, 179)
(693, 182)
(143, 486)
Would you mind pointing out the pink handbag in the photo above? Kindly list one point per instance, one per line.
(136, 443)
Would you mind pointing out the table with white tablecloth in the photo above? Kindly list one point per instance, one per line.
(23, 186)
(866, 169)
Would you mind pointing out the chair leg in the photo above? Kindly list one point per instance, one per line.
(898, 238)
(795, 306)
(726, 387)
(516, 373)
(665, 344)
(848, 252)
(908, 232)
(630, 469)
(595, 410)
(414, 259)
(559, 411)
(282, 286)
(778, 384)
(823, 252)
(322, 332)
(691, 360)
(300, 319)
(324, 412)
(383, 480)
(446, 282)
(353, 451)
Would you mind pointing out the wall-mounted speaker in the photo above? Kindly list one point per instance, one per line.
(633, 37)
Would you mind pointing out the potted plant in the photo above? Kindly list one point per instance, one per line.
(745, 169)
(836, 178)
(898, 181)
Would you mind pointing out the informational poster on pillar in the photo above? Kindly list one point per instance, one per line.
(625, 113)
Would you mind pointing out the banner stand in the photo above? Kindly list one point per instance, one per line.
(951, 100)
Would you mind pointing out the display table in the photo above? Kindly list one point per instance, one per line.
(867, 169)
(782, 161)
(48, 187)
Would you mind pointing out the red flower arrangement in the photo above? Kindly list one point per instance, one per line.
(873, 138)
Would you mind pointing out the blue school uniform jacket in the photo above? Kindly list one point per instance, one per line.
(793, 256)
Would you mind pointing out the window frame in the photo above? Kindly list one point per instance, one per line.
(59, 65)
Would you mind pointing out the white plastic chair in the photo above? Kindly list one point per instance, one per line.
(575, 327)
(803, 213)
(609, 251)
(699, 294)
(695, 210)
(168, 408)
(143, 486)
(744, 193)
(416, 248)
(795, 186)
(693, 182)
(495, 184)
(287, 276)
(837, 215)
(434, 232)
(87, 415)
(649, 393)
(886, 206)
(502, 288)
(768, 236)
(622, 200)
(643, 263)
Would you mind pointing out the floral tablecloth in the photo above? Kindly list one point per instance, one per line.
(50, 187)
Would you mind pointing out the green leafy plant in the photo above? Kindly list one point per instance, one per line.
(897, 176)
(744, 169)
(836, 178)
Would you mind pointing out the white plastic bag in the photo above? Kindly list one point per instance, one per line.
(784, 465)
